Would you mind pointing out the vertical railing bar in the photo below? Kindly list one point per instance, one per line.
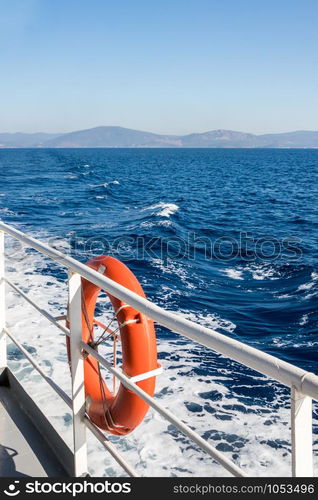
(3, 342)
(77, 373)
(301, 431)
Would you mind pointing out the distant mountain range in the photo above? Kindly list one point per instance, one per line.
(119, 137)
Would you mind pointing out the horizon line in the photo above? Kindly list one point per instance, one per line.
(159, 133)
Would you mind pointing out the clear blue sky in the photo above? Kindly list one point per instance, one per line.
(173, 66)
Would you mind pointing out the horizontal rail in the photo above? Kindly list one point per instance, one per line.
(196, 438)
(68, 401)
(275, 368)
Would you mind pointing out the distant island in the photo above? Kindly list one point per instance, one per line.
(119, 137)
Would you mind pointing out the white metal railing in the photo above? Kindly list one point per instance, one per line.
(303, 384)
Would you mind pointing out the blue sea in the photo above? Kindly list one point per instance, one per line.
(225, 237)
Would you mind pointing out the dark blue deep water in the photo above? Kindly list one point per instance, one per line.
(222, 231)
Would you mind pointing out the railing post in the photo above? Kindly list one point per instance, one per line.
(301, 428)
(3, 342)
(77, 372)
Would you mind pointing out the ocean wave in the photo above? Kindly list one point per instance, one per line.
(304, 319)
(262, 272)
(149, 224)
(7, 212)
(209, 320)
(235, 274)
(310, 284)
(163, 209)
(258, 272)
(174, 268)
(309, 289)
(104, 184)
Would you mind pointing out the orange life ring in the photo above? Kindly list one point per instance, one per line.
(120, 413)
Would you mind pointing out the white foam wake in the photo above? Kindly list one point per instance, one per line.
(196, 385)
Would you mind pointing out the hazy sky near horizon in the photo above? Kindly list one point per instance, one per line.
(167, 66)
